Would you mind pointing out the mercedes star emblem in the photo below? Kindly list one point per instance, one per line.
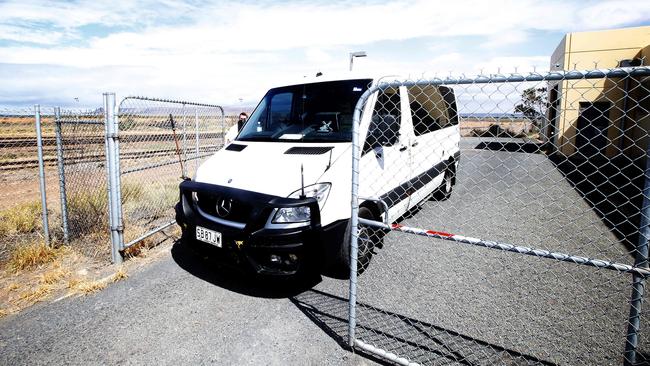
(224, 206)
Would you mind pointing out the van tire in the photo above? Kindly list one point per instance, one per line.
(443, 192)
(373, 238)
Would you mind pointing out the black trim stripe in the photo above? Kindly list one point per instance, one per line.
(406, 189)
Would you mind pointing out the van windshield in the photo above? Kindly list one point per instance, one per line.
(318, 112)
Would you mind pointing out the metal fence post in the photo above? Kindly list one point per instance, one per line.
(196, 122)
(113, 171)
(61, 166)
(184, 141)
(638, 281)
(223, 127)
(41, 173)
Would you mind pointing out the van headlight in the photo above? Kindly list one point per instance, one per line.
(285, 215)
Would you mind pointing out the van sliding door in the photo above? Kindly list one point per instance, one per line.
(434, 133)
(385, 163)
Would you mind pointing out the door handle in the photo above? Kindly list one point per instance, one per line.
(403, 148)
(414, 144)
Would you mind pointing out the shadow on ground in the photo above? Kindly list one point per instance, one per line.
(612, 188)
(418, 341)
(529, 147)
(229, 276)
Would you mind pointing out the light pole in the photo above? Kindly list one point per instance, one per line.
(356, 54)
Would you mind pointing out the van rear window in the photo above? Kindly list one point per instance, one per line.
(432, 108)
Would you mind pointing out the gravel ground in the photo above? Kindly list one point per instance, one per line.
(429, 300)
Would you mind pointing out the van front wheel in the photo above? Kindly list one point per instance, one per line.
(368, 239)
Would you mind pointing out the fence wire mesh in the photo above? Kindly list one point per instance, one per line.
(20, 199)
(82, 180)
(554, 162)
(160, 142)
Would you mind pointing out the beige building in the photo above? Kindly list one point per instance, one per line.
(600, 118)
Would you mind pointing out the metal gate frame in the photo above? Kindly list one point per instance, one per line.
(640, 271)
(113, 169)
(112, 113)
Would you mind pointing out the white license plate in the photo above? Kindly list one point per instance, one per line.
(208, 236)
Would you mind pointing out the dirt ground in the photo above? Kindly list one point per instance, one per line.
(71, 273)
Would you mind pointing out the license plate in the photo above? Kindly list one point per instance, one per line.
(208, 236)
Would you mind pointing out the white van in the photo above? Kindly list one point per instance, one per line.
(277, 198)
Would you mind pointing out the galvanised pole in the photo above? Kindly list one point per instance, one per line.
(41, 173)
(638, 281)
(223, 127)
(117, 171)
(184, 166)
(354, 217)
(196, 125)
(61, 166)
(111, 166)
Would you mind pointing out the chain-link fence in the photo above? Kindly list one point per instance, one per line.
(81, 164)
(161, 141)
(21, 202)
(522, 241)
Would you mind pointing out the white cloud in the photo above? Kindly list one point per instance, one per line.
(505, 39)
(221, 51)
(21, 34)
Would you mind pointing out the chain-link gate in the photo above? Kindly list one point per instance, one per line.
(119, 167)
(553, 166)
(160, 143)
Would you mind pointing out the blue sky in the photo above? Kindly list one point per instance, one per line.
(221, 51)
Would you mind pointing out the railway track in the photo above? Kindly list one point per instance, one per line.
(26, 142)
(71, 159)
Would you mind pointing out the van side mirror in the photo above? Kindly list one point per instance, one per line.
(383, 131)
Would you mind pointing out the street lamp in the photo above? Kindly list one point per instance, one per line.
(356, 54)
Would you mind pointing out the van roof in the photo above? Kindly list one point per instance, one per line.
(336, 77)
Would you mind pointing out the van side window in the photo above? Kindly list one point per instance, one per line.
(431, 108)
(385, 121)
(450, 99)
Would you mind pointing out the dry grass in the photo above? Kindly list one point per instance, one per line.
(32, 255)
(55, 275)
(32, 296)
(120, 275)
(21, 219)
(88, 210)
(38, 273)
(85, 286)
(3, 313)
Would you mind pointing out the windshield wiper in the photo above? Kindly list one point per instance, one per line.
(322, 139)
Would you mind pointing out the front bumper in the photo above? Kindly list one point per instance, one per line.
(266, 250)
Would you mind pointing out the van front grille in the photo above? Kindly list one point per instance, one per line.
(224, 207)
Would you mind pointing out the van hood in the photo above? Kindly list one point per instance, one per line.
(272, 168)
